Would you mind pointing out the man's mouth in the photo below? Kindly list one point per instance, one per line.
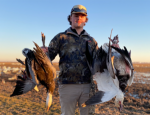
(78, 21)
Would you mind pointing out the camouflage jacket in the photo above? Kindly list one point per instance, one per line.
(71, 49)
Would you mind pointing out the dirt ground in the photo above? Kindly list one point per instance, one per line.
(136, 102)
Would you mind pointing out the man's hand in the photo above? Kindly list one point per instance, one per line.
(45, 49)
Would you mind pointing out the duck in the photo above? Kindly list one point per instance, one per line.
(41, 71)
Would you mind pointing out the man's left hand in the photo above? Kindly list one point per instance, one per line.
(45, 49)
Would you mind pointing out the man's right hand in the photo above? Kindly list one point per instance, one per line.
(45, 49)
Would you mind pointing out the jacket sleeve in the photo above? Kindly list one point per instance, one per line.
(94, 48)
(53, 48)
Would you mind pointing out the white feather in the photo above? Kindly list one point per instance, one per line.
(130, 81)
(106, 84)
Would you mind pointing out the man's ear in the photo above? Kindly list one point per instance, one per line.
(86, 19)
(70, 17)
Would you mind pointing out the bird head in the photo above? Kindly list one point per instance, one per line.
(123, 82)
(119, 102)
(27, 53)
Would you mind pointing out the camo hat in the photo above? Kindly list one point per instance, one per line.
(79, 9)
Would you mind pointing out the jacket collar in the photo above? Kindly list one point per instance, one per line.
(69, 31)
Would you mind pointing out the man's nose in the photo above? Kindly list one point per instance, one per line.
(79, 17)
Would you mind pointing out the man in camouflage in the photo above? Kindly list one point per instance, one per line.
(75, 77)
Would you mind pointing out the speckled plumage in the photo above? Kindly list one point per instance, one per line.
(45, 78)
(39, 69)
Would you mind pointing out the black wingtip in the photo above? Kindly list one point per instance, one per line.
(19, 77)
(95, 99)
(18, 88)
(12, 95)
(20, 61)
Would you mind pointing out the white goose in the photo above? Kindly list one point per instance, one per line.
(112, 69)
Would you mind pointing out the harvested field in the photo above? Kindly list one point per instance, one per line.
(136, 102)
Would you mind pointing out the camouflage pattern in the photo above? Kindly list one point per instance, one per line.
(71, 49)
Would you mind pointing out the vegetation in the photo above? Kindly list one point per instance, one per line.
(136, 99)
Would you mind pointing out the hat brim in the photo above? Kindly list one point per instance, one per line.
(79, 13)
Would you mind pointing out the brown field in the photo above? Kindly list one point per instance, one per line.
(33, 103)
(142, 67)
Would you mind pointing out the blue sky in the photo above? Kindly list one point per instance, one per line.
(22, 21)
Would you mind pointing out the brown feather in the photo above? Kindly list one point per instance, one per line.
(48, 77)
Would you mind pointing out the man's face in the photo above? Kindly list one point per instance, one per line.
(78, 20)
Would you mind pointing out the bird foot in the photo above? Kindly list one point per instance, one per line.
(36, 88)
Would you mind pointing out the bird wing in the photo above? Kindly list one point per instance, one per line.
(20, 61)
(44, 59)
(125, 55)
(47, 78)
(98, 64)
(32, 71)
(23, 87)
(100, 97)
(40, 55)
(107, 88)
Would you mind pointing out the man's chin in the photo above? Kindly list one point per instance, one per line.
(78, 26)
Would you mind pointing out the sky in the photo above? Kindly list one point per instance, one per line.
(22, 21)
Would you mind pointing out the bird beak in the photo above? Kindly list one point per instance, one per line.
(121, 107)
(49, 108)
(48, 101)
(36, 88)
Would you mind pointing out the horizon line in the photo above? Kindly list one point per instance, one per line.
(58, 62)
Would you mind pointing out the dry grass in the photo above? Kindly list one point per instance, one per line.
(33, 103)
(16, 64)
(141, 67)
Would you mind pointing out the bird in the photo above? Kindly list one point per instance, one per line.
(112, 69)
(41, 71)
(24, 73)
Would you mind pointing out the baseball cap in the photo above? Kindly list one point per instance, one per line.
(79, 9)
